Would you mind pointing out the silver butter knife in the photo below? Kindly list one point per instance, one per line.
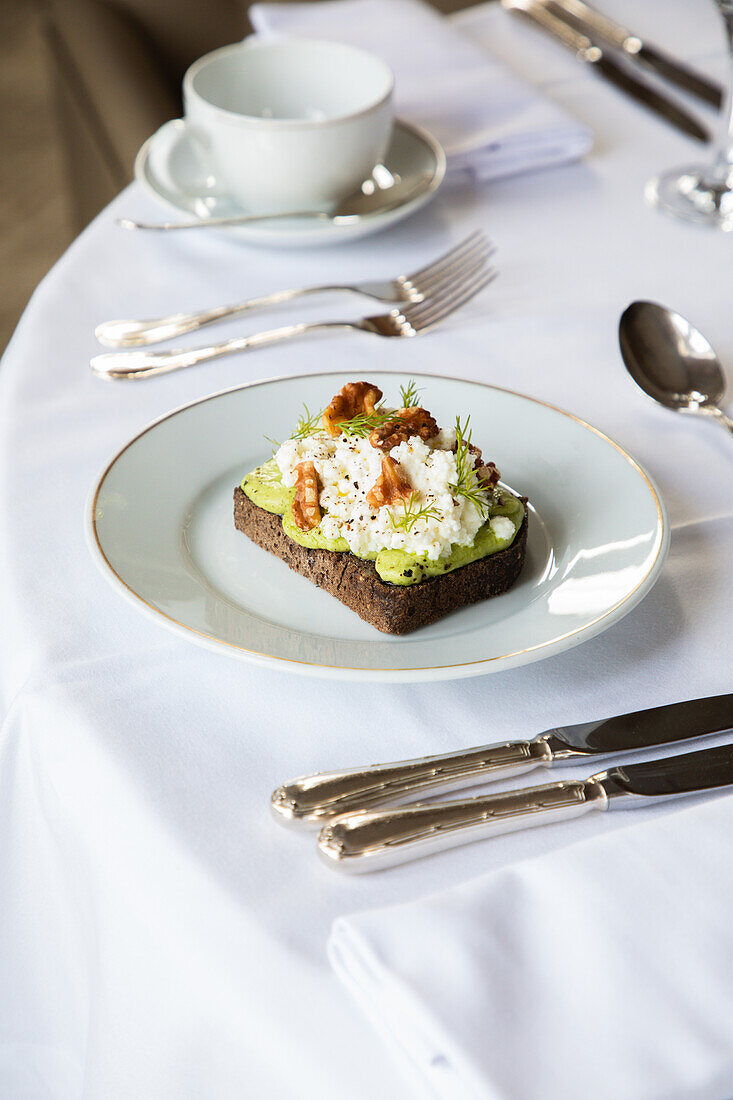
(314, 799)
(382, 838)
(593, 23)
(587, 50)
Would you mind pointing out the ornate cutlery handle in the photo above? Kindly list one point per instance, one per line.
(146, 364)
(137, 334)
(595, 23)
(313, 799)
(570, 37)
(214, 223)
(613, 33)
(383, 838)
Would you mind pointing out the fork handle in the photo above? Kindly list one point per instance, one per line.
(136, 334)
(146, 364)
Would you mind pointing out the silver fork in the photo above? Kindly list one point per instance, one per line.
(421, 284)
(409, 321)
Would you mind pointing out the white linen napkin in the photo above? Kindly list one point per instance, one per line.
(602, 970)
(490, 123)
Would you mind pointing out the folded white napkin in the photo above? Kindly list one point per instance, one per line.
(603, 970)
(490, 123)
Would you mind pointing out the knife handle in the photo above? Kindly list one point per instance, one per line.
(375, 839)
(313, 799)
(597, 23)
(550, 22)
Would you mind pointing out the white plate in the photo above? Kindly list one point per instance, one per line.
(169, 168)
(160, 527)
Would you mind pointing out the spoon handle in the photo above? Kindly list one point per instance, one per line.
(208, 223)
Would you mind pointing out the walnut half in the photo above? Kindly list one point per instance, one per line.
(306, 507)
(488, 475)
(391, 485)
(486, 472)
(355, 399)
(407, 422)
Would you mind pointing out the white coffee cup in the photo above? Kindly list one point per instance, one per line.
(289, 125)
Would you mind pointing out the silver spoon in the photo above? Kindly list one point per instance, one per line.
(374, 199)
(671, 361)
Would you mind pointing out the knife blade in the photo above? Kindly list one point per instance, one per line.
(374, 839)
(588, 51)
(591, 22)
(313, 799)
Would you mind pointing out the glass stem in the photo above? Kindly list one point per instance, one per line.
(722, 169)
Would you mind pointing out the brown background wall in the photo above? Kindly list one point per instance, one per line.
(34, 223)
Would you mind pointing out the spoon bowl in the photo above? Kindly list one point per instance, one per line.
(672, 361)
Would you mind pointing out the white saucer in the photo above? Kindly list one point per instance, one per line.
(169, 167)
(160, 526)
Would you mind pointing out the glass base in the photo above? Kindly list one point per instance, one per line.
(694, 195)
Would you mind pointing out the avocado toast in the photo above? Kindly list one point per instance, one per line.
(399, 519)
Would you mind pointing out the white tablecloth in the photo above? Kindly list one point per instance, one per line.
(159, 935)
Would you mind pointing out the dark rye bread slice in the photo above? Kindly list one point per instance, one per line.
(394, 609)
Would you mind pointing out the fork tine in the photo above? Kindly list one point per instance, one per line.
(444, 307)
(447, 257)
(427, 287)
(468, 293)
(454, 255)
(416, 311)
(458, 272)
(447, 309)
(474, 235)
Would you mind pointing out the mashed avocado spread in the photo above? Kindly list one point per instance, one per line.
(264, 488)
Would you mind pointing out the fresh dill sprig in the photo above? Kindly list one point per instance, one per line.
(409, 394)
(365, 423)
(308, 423)
(467, 483)
(411, 514)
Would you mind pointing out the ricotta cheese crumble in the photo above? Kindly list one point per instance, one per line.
(348, 467)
